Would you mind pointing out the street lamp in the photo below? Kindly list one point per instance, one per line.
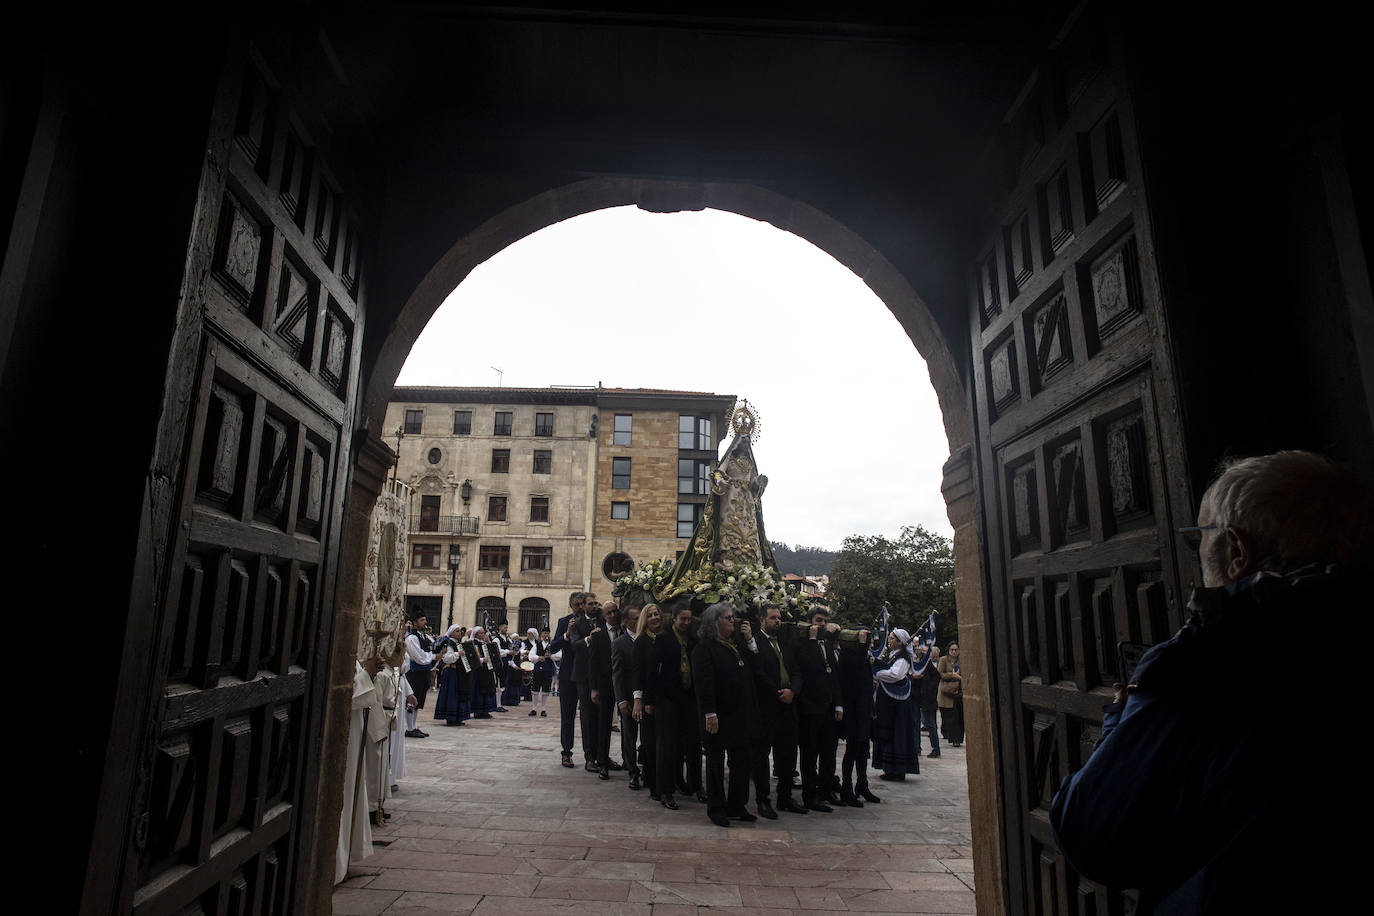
(396, 468)
(455, 556)
(465, 491)
(505, 584)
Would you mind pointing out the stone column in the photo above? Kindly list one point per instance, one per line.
(372, 463)
(984, 795)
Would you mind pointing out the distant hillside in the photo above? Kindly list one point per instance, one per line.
(804, 561)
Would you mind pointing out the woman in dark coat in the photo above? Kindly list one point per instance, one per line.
(650, 626)
(896, 750)
(726, 711)
(856, 728)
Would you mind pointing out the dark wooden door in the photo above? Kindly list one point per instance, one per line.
(1081, 457)
(211, 809)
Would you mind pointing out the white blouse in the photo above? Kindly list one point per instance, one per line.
(896, 673)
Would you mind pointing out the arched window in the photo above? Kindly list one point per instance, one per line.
(490, 605)
(534, 612)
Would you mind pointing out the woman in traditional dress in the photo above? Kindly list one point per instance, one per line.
(951, 697)
(483, 674)
(454, 677)
(541, 681)
(514, 680)
(895, 749)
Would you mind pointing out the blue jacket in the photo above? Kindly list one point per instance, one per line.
(1197, 793)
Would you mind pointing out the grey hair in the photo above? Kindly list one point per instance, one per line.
(710, 618)
(1297, 507)
(572, 599)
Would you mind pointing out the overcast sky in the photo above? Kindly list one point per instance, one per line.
(851, 437)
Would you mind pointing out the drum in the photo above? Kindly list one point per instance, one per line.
(526, 671)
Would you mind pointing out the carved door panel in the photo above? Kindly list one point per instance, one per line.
(1080, 452)
(218, 802)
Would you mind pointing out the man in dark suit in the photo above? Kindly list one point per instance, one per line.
(778, 680)
(726, 710)
(600, 686)
(669, 698)
(567, 693)
(578, 633)
(821, 709)
(623, 677)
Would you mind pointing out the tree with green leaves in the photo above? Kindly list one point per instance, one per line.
(913, 574)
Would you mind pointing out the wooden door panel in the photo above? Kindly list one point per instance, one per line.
(221, 793)
(1082, 470)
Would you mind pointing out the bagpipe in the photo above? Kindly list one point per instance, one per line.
(925, 636)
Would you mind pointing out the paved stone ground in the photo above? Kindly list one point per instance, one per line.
(486, 821)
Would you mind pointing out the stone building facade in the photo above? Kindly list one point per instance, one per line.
(556, 488)
(656, 452)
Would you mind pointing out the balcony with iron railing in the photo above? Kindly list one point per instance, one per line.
(452, 525)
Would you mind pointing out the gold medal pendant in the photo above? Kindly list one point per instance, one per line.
(741, 663)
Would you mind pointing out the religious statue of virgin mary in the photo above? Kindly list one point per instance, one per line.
(730, 533)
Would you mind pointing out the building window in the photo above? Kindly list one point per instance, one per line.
(414, 421)
(694, 476)
(462, 422)
(623, 422)
(504, 420)
(424, 556)
(620, 510)
(620, 473)
(435, 456)
(491, 612)
(500, 461)
(534, 612)
(687, 516)
(543, 461)
(538, 558)
(429, 513)
(493, 556)
(616, 565)
(543, 424)
(694, 433)
(539, 508)
(496, 508)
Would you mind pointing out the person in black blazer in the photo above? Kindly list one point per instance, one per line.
(579, 631)
(600, 685)
(820, 710)
(726, 711)
(669, 698)
(622, 678)
(778, 681)
(567, 693)
(650, 628)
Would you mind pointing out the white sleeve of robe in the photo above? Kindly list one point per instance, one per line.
(355, 833)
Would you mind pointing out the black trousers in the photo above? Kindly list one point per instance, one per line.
(605, 713)
(718, 797)
(781, 741)
(648, 743)
(678, 741)
(419, 682)
(567, 712)
(629, 739)
(855, 765)
(587, 715)
(818, 740)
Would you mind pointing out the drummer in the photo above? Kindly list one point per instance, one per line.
(539, 668)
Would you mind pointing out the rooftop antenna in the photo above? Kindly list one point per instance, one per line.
(499, 377)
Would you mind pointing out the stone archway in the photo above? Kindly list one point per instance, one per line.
(851, 250)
